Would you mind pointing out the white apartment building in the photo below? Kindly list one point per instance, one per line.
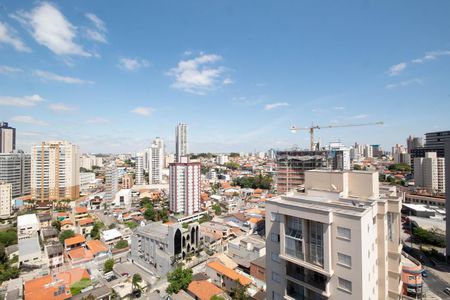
(340, 155)
(87, 161)
(340, 239)
(221, 159)
(111, 181)
(87, 180)
(168, 159)
(155, 162)
(140, 180)
(28, 226)
(55, 171)
(184, 187)
(368, 151)
(181, 141)
(15, 168)
(5, 199)
(429, 172)
(7, 138)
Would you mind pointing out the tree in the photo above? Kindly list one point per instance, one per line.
(149, 213)
(131, 224)
(217, 209)
(66, 234)
(178, 280)
(57, 225)
(108, 265)
(234, 154)
(95, 232)
(215, 297)
(135, 282)
(357, 167)
(232, 165)
(121, 244)
(239, 292)
(79, 285)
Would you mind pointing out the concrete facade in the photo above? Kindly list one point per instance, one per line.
(5, 199)
(338, 240)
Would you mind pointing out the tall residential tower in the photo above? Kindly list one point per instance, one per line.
(181, 141)
(7, 138)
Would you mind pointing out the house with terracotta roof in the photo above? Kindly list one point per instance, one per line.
(85, 226)
(98, 249)
(67, 224)
(79, 255)
(203, 290)
(61, 216)
(80, 213)
(77, 241)
(54, 287)
(225, 277)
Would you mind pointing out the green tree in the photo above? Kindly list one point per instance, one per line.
(178, 280)
(57, 225)
(234, 154)
(215, 297)
(239, 292)
(357, 167)
(149, 213)
(108, 265)
(232, 165)
(217, 209)
(95, 232)
(66, 234)
(8, 237)
(402, 167)
(121, 244)
(135, 282)
(131, 224)
(79, 285)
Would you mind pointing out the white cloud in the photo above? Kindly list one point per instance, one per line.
(360, 116)
(143, 111)
(48, 76)
(197, 76)
(97, 120)
(339, 108)
(99, 33)
(431, 55)
(404, 83)
(25, 101)
(28, 120)
(9, 70)
(61, 107)
(271, 106)
(397, 69)
(7, 36)
(50, 28)
(132, 64)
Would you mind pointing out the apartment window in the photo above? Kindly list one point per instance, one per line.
(274, 217)
(274, 237)
(276, 277)
(345, 285)
(276, 257)
(344, 260)
(390, 221)
(344, 233)
(276, 296)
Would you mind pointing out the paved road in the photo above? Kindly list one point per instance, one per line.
(107, 220)
(435, 283)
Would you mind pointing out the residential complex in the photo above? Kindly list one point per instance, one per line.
(55, 171)
(15, 168)
(429, 172)
(337, 240)
(184, 187)
(5, 199)
(181, 141)
(7, 138)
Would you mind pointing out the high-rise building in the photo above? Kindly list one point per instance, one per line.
(221, 159)
(340, 156)
(434, 142)
(168, 159)
(156, 158)
(111, 181)
(15, 168)
(413, 143)
(447, 195)
(184, 187)
(140, 180)
(55, 171)
(7, 138)
(88, 161)
(368, 151)
(127, 181)
(181, 141)
(339, 239)
(429, 172)
(5, 199)
(292, 164)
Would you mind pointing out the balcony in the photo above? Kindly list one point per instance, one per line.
(298, 292)
(306, 276)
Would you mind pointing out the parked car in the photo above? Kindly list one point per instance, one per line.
(447, 291)
(424, 273)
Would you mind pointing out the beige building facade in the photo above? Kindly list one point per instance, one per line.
(5, 199)
(55, 171)
(337, 240)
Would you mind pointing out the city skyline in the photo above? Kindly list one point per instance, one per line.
(111, 82)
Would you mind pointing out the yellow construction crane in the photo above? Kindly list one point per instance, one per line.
(313, 127)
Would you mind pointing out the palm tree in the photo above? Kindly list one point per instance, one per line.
(137, 279)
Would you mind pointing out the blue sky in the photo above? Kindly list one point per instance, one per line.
(111, 76)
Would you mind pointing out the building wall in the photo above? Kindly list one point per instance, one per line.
(181, 142)
(5, 199)
(184, 187)
(258, 272)
(15, 168)
(7, 138)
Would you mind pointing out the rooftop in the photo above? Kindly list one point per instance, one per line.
(25, 220)
(260, 262)
(111, 234)
(233, 275)
(77, 239)
(203, 289)
(29, 246)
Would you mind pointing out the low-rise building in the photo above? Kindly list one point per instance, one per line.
(258, 268)
(45, 220)
(85, 226)
(244, 249)
(74, 242)
(225, 277)
(203, 290)
(5, 199)
(55, 255)
(80, 213)
(122, 198)
(157, 246)
(110, 237)
(411, 276)
(30, 252)
(49, 234)
(67, 224)
(28, 226)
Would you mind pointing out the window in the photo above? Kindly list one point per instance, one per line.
(390, 221)
(274, 237)
(276, 257)
(345, 285)
(344, 260)
(344, 233)
(276, 296)
(274, 217)
(276, 277)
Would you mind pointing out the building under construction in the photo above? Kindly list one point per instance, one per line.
(291, 165)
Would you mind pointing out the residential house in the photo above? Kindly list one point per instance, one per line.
(258, 268)
(55, 255)
(225, 277)
(67, 224)
(28, 226)
(85, 226)
(30, 252)
(203, 290)
(80, 213)
(45, 220)
(110, 237)
(244, 249)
